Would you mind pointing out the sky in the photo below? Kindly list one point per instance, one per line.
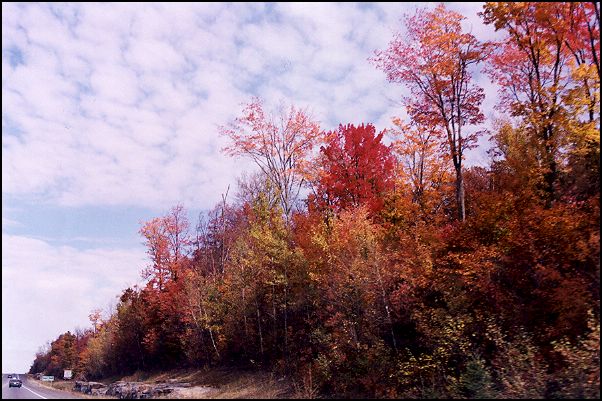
(110, 116)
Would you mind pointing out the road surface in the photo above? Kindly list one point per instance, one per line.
(30, 390)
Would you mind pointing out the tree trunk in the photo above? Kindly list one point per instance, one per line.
(259, 329)
(211, 333)
(551, 175)
(460, 194)
(387, 310)
(286, 356)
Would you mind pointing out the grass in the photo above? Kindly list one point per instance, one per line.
(245, 385)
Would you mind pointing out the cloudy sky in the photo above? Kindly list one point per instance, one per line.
(110, 116)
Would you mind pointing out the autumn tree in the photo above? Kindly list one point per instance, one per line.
(168, 244)
(128, 341)
(579, 25)
(178, 236)
(41, 360)
(259, 282)
(547, 68)
(95, 318)
(356, 168)
(514, 159)
(279, 144)
(434, 59)
(63, 354)
(214, 234)
(420, 164)
(203, 309)
(167, 239)
(157, 249)
(350, 278)
(253, 186)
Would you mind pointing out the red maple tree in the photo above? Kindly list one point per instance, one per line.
(356, 168)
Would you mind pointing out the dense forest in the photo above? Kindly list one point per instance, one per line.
(365, 262)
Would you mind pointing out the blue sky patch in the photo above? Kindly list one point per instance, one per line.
(14, 56)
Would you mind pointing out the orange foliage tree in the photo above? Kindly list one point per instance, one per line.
(434, 59)
(549, 75)
(421, 165)
(167, 240)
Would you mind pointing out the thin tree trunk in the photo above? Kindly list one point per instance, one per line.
(223, 250)
(244, 311)
(211, 333)
(259, 329)
(285, 317)
(460, 194)
(387, 310)
(274, 313)
(551, 175)
(197, 324)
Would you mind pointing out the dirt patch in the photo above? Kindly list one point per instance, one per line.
(231, 385)
(192, 392)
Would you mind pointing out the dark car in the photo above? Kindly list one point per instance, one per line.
(14, 382)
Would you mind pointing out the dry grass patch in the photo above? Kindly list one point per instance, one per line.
(236, 385)
(60, 385)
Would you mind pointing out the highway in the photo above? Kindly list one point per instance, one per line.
(30, 390)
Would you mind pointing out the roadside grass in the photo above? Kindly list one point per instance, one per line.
(245, 385)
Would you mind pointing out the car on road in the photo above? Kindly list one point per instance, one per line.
(15, 382)
(10, 376)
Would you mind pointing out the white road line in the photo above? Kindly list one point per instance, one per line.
(41, 396)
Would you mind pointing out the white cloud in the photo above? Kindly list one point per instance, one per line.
(115, 84)
(47, 290)
(120, 104)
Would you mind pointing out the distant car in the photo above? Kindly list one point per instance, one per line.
(15, 382)
(10, 376)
